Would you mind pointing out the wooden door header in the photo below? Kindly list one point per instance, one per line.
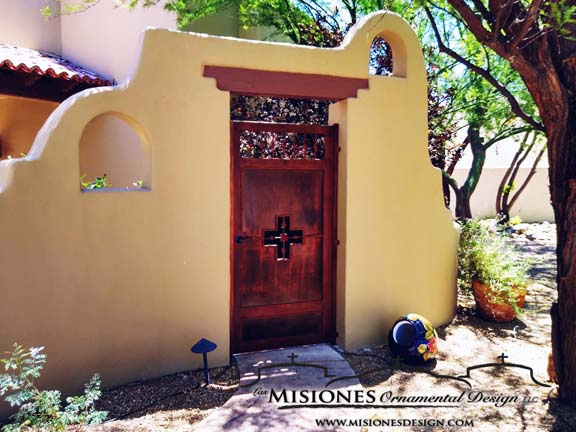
(254, 82)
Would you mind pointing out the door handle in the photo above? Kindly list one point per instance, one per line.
(240, 238)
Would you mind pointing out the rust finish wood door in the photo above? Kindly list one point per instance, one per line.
(283, 234)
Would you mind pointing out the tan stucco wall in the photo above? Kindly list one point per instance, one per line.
(398, 244)
(20, 121)
(124, 282)
(21, 24)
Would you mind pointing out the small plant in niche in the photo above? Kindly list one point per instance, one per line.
(138, 184)
(13, 157)
(97, 183)
(42, 409)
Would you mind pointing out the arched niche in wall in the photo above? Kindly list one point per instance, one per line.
(381, 60)
(388, 55)
(114, 154)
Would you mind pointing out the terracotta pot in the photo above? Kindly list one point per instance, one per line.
(491, 310)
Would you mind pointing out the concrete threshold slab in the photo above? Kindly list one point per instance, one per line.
(258, 405)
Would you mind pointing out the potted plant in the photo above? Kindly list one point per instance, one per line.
(490, 268)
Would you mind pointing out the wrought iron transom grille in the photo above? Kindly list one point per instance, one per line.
(281, 145)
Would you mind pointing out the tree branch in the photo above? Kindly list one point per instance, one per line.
(507, 134)
(514, 105)
(456, 155)
(528, 177)
(451, 181)
(504, 180)
(471, 19)
(524, 152)
(351, 7)
(478, 30)
(498, 22)
(531, 17)
(486, 14)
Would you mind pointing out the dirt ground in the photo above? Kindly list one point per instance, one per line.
(176, 402)
(469, 341)
(170, 403)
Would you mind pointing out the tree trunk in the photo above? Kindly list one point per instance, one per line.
(446, 192)
(506, 183)
(516, 195)
(549, 72)
(563, 189)
(463, 210)
(505, 199)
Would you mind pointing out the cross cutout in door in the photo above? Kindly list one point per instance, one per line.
(283, 237)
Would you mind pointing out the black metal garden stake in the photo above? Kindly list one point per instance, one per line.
(204, 346)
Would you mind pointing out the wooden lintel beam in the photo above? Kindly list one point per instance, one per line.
(255, 82)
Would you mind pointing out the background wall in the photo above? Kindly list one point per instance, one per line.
(533, 205)
(21, 24)
(105, 38)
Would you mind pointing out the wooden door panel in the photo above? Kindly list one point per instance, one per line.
(283, 234)
(289, 326)
(264, 280)
(269, 193)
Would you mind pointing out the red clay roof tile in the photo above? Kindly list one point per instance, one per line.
(46, 64)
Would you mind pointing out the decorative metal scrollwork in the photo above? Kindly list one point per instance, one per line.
(281, 145)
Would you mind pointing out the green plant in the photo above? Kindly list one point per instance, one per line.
(42, 409)
(515, 220)
(484, 255)
(97, 183)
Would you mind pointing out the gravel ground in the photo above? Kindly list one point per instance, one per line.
(173, 402)
(469, 341)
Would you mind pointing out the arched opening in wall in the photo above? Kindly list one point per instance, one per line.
(114, 154)
(381, 61)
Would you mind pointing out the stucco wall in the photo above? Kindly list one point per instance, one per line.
(125, 282)
(399, 251)
(532, 206)
(20, 121)
(21, 24)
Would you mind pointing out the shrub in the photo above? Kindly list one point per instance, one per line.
(42, 409)
(484, 255)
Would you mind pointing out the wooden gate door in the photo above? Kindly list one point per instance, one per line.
(283, 234)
